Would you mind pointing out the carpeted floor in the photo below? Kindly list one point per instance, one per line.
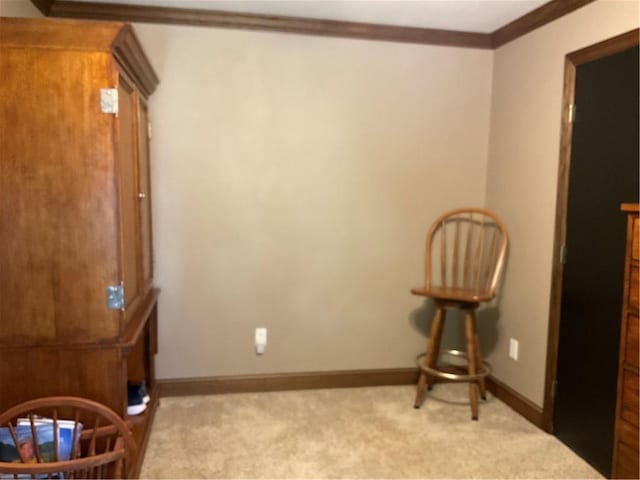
(351, 433)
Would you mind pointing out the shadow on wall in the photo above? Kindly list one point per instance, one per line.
(453, 337)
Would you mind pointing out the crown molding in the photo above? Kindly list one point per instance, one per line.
(542, 15)
(275, 23)
(548, 12)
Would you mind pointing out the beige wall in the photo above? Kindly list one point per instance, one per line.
(523, 171)
(18, 8)
(294, 179)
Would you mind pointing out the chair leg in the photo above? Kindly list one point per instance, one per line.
(471, 357)
(476, 341)
(433, 346)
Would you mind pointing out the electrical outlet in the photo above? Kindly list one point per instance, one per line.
(261, 335)
(260, 340)
(514, 346)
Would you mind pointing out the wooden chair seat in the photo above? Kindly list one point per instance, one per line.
(453, 294)
(465, 251)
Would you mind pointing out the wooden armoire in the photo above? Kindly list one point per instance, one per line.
(78, 309)
(625, 447)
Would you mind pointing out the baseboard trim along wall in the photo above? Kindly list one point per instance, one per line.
(333, 379)
(516, 401)
(287, 381)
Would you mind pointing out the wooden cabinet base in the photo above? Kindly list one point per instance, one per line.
(141, 428)
(99, 372)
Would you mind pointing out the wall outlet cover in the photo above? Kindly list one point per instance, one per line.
(513, 348)
(261, 336)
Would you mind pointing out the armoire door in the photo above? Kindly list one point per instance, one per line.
(58, 230)
(127, 167)
(144, 196)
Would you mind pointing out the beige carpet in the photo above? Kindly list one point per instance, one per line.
(351, 433)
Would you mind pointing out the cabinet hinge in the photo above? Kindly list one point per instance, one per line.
(149, 130)
(563, 254)
(109, 100)
(572, 113)
(115, 297)
(554, 388)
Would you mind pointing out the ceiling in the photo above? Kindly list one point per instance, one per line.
(483, 16)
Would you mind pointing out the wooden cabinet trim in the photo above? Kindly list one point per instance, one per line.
(137, 323)
(117, 38)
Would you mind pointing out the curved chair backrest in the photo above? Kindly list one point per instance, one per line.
(92, 440)
(465, 251)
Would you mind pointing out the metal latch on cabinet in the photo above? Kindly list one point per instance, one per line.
(109, 100)
(115, 297)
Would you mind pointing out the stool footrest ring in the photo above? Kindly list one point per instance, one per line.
(484, 370)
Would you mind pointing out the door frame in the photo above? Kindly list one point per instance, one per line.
(599, 50)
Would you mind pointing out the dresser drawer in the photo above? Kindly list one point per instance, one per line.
(631, 341)
(628, 434)
(630, 398)
(626, 462)
(634, 244)
(634, 285)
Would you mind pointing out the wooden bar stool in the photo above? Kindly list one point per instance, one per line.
(465, 252)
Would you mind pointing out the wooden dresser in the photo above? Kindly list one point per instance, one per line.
(625, 450)
(77, 300)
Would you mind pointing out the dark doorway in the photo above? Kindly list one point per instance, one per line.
(603, 174)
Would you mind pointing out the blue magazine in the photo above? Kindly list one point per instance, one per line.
(46, 445)
(65, 433)
(26, 446)
(44, 435)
